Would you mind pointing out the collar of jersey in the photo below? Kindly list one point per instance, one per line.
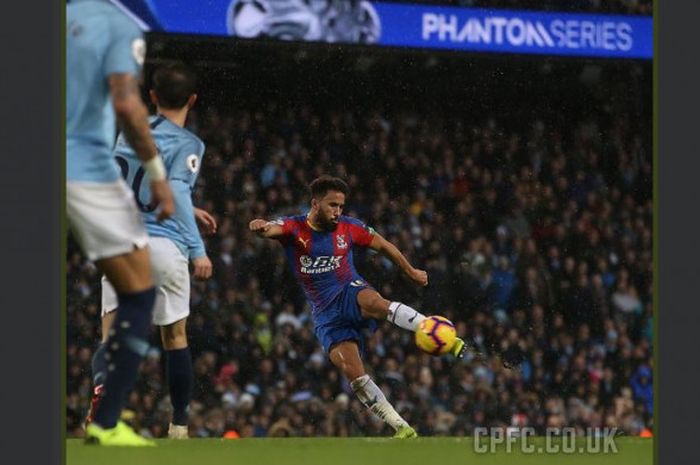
(312, 226)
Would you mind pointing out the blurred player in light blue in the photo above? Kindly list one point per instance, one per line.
(173, 242)
(105, 52)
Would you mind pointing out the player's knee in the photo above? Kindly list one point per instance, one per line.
(376, 307)
(352, 371)
(174, 342)
(173, 337)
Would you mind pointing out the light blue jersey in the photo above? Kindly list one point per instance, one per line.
(101, 40)
(182, 154)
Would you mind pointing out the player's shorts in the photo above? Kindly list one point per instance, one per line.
(342, 319)
(172, 277)
(104, 218)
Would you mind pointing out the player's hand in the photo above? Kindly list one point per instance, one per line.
(207, 223)
(259, 226)
(163, 197)
(419, 277)
(201, 268)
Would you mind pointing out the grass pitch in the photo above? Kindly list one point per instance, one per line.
(347, 451)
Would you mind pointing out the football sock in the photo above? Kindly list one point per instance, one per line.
(373, 398)
(178, 366)
(404, 316)
(124, 349)
(99, 365)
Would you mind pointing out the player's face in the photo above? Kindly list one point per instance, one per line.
(330, 207)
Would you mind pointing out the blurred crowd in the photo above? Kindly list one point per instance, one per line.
(537, 242)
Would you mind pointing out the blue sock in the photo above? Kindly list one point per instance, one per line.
(99, 365)
(124, 349)
(178, 366)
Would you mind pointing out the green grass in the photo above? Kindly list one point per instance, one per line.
(354, 451)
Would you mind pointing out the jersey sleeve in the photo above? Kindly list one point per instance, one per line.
(126, 51)
(360, 233)
(186, 162)
(289, 227)
(183, 170)
(184, 217)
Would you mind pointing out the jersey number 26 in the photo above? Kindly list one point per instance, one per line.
(136, 184)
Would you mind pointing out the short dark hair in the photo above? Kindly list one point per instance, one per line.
(319, 187)
(174, 84)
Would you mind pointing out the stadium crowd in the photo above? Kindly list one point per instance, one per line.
(537, 242)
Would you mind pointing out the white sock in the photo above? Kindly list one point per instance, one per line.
(373, 398)
(404, 316)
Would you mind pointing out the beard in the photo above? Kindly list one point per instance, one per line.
(327, 224)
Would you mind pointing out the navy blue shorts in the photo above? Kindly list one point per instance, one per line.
(342, 319)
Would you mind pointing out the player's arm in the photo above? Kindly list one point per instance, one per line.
(132, 117)
(266, 229)
(121, 67)
(182, 175)
(205, 220)
(389, 250)
(185, 217)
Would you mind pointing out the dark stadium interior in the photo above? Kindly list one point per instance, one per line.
(523, 186)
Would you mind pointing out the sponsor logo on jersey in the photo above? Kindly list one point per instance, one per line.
(320, 264)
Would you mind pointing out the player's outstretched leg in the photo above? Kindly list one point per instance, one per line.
(346, 356)
(99, 371)
(373, 305)
(99, 367)
(178, 361)
(125, 346)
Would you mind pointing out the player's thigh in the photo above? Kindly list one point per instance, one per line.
(174, 335)
(372, 304)
(128, 273)
(110, 304)
(346, 356)
(109, 228)
(172, 276)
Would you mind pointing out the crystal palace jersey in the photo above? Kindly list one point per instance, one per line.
(322, 260)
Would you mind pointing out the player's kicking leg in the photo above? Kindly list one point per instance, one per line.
(373, 305)
(346, 356)
(178, 362)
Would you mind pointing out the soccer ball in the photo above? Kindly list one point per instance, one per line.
(436, 335)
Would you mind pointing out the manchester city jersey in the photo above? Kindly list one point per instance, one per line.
(182, 154)
(101, 40)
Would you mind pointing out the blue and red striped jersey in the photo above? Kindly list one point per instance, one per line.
(322, 261)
